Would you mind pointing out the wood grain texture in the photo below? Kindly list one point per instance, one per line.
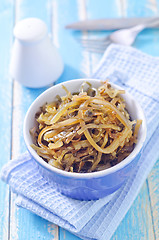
(34, 227)
(139, 222)
(147, 40)
(153, 186)
(142, 220)
(6, 24)
(76, 60)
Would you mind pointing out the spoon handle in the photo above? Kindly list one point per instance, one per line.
(140, 27)
(151, 23)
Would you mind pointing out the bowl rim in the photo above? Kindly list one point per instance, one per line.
(97, 174)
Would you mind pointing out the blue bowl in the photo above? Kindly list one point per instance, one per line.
(85, 186)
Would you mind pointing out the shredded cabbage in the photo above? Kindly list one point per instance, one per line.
(86, 131)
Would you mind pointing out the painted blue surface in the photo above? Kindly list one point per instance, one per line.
(142, 220)
(6, 23)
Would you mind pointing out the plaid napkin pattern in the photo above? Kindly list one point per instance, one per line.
(138, 73)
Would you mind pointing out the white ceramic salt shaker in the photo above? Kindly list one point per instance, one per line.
(35, 61)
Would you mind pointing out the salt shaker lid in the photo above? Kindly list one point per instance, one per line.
(30, 30)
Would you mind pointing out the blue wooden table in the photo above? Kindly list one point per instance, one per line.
(142, 220)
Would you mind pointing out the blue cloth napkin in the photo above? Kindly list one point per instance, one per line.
(138, 73)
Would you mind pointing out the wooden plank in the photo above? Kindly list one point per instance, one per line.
(34, 227)
(77, 61)
(134, 218)
(6, 23)
(147, 41)
(137, 223)
(107, 9)
(65, 235)
(153, 183)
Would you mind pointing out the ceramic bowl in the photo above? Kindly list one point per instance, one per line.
(85, 186)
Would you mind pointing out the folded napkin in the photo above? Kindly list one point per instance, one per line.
(138, 73)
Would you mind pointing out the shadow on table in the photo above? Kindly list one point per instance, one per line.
(30, 94)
